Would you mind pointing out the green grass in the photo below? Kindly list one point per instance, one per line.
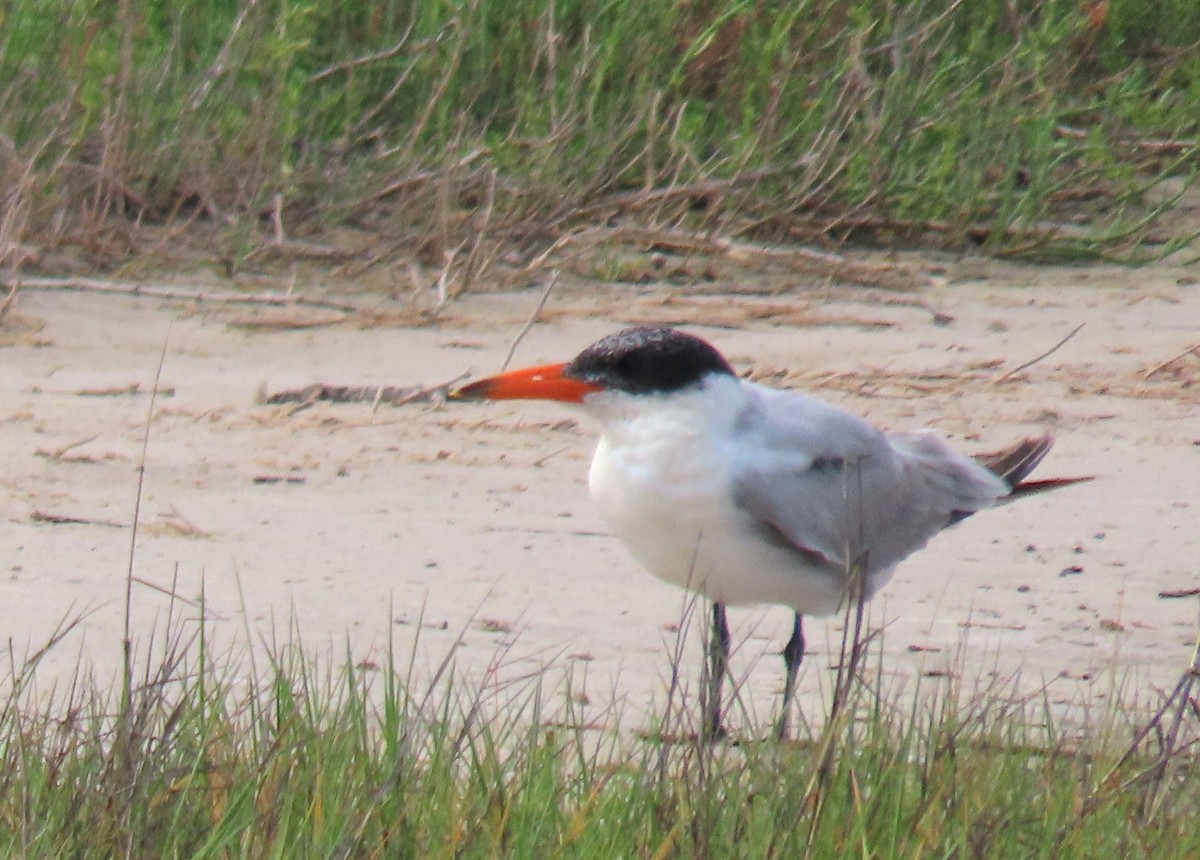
(212, 756)
(1025, 128)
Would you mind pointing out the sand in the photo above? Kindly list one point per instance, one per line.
(466, 529)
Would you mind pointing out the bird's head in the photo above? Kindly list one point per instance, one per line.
(646, 360)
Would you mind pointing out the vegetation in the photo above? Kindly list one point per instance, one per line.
(454, 129)
(449, 131)
(209, 757)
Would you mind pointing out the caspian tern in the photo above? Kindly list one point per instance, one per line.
(750, 495)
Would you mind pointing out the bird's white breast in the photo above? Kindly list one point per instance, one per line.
(661, 479)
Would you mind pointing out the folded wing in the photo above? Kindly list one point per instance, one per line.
(845, 495)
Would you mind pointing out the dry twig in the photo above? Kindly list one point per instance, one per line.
(9, 300)
(169, 592)
(293, 249)
(365, 60)
(512, 347)
(1176, 593)
(97, 285)
(1194, 349)
(65, 520)
(1008, 374)
(133, 389)
(1154, 146)
(808, 261)
(57, 453)
(221, 61)
(393, 395)
(1166, 725)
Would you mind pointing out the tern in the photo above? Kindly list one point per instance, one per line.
(747, 494)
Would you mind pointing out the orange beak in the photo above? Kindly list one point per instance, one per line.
(531, 383)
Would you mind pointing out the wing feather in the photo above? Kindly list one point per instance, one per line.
(839, 490)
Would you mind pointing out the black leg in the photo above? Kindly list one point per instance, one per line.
(718, 665)
(793, 655)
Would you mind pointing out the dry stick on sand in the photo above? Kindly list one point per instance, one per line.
(822, 264)
(393, 395)
(797, 259)
(10, 299)
(169, 592)
(97, 285)
(1194, 349)
(58, 453)
(1008, 374)
(67, 520)
(435, 393)
(512, 347)
(1177, 593)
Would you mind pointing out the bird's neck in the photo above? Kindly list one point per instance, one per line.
(705, 410)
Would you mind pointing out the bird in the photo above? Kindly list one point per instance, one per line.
(747, 494)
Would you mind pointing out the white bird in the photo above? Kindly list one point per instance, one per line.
(751, 495)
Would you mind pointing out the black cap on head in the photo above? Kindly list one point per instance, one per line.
(647, 360)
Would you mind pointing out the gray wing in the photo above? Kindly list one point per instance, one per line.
(842, 493)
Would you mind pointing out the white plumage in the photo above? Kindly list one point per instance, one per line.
(748, 494)
(751, 495)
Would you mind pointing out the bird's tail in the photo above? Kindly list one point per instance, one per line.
(1014, 464)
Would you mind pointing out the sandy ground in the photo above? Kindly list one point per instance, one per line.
(468, 529)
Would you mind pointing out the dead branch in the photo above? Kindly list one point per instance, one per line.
(64, 520)
(174, 595)
(96, 285)
(221, 60)
(134, 389)
(436, 393)
(57, 453)
(418, 177)
(293, 249)
(1177, 593)
(175, 522)
(9, 300)
(797, 259)
(1166, 725)
(1194, 349)
(476, 264)
(1154, 146)
(392, 395)
(291, 324)
(512, 347)
(365, 60)
(640, 199)
(1010, 373)
(677, 241)
(1032, 235)
(279, 479)
(335, 394)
